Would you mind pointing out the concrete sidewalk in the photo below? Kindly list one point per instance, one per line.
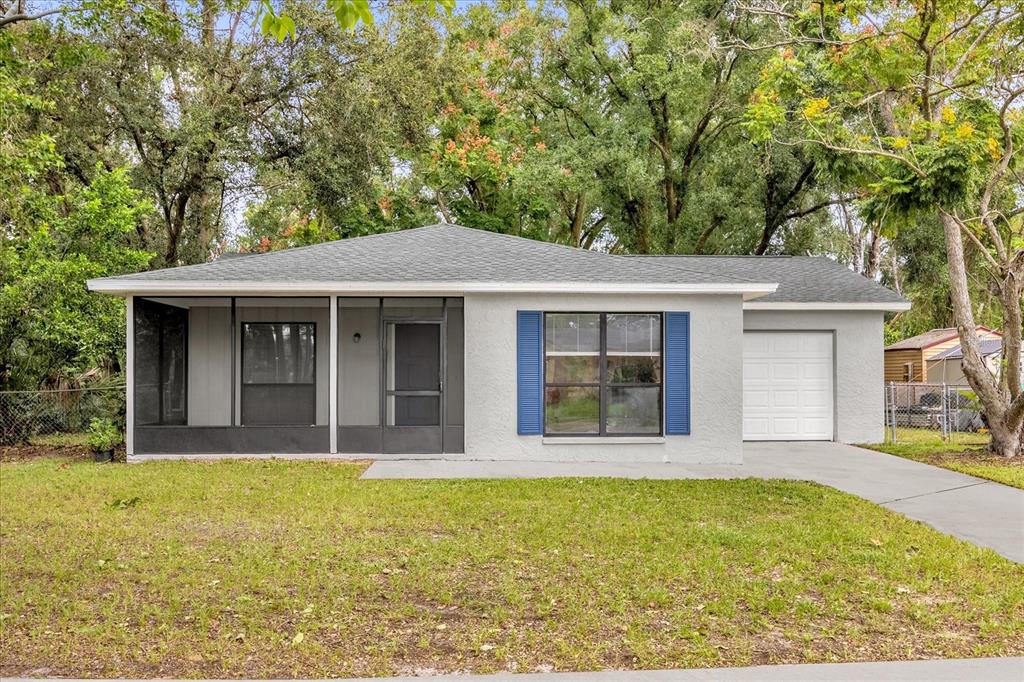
(983, 512)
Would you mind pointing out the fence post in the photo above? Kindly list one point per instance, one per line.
(945, 413)
(891, 411)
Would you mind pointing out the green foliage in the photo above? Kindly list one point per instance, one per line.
(103, 435)
(348, 14)
(915, 106)
(59, 233)
(903, 86)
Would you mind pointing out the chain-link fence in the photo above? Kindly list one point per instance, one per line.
(25, 414)
(945, 409)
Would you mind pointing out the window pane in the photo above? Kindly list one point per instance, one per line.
(572, 369)
(634, 369)
(634, 410)
(573, 409)
(572, 333)
(634, 333)
(278, 353)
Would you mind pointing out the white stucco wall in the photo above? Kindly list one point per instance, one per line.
(859, 371)
(716, 324)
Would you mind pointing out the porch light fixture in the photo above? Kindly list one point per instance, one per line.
(356, 337)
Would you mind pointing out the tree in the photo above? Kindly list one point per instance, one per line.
(339, 161)
(925, 97)
(180, 96)
(54, 235)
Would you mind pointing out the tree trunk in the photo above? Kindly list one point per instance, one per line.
(874, 262)
(1005, 420)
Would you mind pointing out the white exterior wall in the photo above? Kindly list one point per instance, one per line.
(859, 364)
(716, 352)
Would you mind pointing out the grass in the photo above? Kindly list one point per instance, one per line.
(965, 453)
(61, 439)
(298, 569)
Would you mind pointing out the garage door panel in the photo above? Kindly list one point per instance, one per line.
(785, 370)
(754, 344)
(756, 369)
(754, 399)
(816, 345)
(787, 386)
(815, 400)
(816, 370)
(756, 426)
(785, 399)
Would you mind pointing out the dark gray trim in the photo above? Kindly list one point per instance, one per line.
(414, 440)
(454, 439)
(184, 440)
(360, 440)
(442, 379)
(234, 363)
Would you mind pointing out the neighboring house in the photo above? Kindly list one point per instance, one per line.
(450, 341)
(910, 359)
(947, 367)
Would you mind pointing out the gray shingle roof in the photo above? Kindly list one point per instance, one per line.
(452, 254)
(988, 347)
(801, 279)
(923, 340)
(437, 253)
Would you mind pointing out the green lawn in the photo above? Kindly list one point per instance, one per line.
(273, 569)
(964, 453)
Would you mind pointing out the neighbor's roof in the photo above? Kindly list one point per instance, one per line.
(928, 338)
(810, 280)
(988, 347)
(436, 257)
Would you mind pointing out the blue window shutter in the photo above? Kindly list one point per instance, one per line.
(529, 371)
(677, 374)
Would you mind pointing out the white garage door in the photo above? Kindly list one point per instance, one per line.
(787, 386)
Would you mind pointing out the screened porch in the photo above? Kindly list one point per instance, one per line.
(295, 375)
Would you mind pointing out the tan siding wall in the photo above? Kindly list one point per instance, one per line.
(895, 362)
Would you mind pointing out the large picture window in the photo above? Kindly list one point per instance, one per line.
(278, 373)
(602, 374)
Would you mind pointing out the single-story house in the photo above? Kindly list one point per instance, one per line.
(947, 367)
(911, 359)
(456, 342)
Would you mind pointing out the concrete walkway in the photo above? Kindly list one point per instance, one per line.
(983, 512)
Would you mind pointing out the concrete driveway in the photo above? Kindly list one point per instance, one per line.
(973, 509)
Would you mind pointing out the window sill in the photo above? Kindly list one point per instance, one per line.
(602, 440)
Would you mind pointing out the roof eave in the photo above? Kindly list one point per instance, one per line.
(885, 307)
(144, 287)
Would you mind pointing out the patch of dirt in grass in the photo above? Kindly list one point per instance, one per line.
(969, 457)
(28, 452)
